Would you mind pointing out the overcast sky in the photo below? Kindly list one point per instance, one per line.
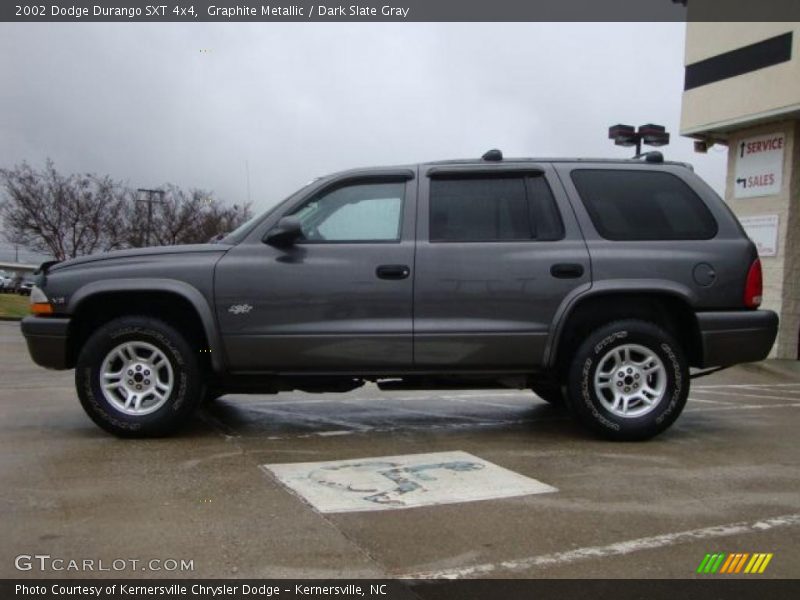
(191, 104)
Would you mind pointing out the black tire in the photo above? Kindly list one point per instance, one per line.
(590, 409)
(550, 392)
(182, 399)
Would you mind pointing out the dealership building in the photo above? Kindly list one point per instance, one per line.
(742, 90)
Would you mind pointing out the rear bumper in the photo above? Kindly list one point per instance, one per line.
(47, 340)
(734, 337)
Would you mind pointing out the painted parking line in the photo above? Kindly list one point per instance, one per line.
(422, 413)
(745, 407)
(792, 391)
(476, 401)
(402, 482)
(747, 385)
(739, 394)
(446, 427)
(312, 418)
(705, 401)
(616, 549)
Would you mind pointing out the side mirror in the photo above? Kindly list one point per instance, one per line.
(285, 233)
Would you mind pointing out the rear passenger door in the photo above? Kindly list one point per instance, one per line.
(498, 250)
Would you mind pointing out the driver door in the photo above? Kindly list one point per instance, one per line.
(339, 299)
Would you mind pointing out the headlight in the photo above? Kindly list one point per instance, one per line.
(40, 305)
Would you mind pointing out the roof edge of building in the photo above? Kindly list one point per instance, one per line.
(720, 129)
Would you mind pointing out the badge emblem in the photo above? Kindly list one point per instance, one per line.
(240, 309)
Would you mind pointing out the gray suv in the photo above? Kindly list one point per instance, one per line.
(595, 283)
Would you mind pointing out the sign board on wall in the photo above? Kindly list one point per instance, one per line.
(763, 230)
(759, 166)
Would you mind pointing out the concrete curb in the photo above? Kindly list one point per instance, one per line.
(10, 318)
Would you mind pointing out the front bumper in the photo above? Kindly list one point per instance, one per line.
(47, 340)
(734, 337)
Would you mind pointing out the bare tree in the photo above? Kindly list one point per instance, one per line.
(183, 217)
(65, 216)
(68, 216)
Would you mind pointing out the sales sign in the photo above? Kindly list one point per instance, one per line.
(759, 166)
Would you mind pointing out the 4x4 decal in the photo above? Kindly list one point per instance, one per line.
(240, 309)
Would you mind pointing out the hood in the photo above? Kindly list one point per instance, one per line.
(134, 253)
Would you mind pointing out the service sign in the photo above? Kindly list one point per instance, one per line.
(763, 230)
(759, 166)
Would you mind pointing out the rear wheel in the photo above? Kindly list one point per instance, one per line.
(138, 377)
(629, 380)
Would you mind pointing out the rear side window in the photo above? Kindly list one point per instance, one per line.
(492, 209)
(643, 205)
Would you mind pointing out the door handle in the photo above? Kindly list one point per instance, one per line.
(393, 271)
(566, 270)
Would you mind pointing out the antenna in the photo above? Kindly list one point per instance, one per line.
(247, 174)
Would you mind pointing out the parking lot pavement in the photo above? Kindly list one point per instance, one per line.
(723, 479)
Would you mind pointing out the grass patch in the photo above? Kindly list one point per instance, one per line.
(14, 305)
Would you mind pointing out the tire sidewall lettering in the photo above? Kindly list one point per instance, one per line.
(676, 384)
(587, 396)
(669, 406)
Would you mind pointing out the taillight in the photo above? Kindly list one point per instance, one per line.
(753, 287)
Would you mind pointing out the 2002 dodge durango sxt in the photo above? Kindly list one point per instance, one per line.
(595, 283)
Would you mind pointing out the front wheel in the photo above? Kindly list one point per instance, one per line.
(629, 380)
(138, 377)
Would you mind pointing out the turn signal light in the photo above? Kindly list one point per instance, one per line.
(753, 287)
(40, 305)
(42, 308)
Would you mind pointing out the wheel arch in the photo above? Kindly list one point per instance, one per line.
(177, 302)
(667, 305)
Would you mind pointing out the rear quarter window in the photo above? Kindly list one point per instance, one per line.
(643, 205)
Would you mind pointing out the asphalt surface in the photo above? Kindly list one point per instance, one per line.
(724, 478)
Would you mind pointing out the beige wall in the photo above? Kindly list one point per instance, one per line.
(782, 272)
(762, 102)
(763, 94)
(787, 345)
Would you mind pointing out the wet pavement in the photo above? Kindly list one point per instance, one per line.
(724, 478)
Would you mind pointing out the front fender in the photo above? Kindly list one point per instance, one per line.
(181, 288)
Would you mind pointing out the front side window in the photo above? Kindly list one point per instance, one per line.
(643, 205)
(365, 212)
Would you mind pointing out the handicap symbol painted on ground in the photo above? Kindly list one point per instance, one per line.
(397, 481)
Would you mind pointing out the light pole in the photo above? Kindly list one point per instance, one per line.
(150, 201)
(628, 135)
